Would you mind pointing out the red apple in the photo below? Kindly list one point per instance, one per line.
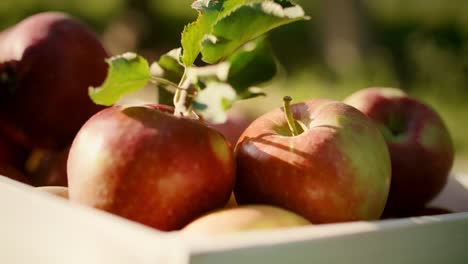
(425, 211)
(12, 154)
(47, 63)
(237, 121)
(432, 211)
(12, 173)
(337, 169)
(244, 218)
(420, 145)
(147, 165)
(48, 167)
(231, 202)
(12, 159)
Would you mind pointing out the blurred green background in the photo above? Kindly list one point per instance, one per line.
(420, 46)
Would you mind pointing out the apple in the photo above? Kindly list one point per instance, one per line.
(420, 145)
(48, 167)
(12, 173)
(432, 211)
(244, 218)
(47, 63)
(231, 202)
(12, 154)
(321, 159)
(59, 191)
(150, 166)
(237, 121)
(12, 158)
(425, 211)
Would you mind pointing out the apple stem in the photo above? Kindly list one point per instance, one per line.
(180, 97)
(287, 111)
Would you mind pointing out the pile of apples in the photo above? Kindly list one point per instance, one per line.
(379, 153)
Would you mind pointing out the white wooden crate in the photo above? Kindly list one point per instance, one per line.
(36, 227)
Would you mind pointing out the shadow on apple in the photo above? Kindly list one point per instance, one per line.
(337, 169)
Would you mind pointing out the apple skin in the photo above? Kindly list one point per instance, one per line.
(337, 170)
(237, 121)
(244, 218)
(47, 63)
(420, 145)
(147, 165)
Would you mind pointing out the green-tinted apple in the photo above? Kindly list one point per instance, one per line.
(334, 167)
(420, 145)
(244, 218)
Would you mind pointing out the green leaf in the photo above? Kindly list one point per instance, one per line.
(193, 34)
(220, 84)
(127, 73)
(245, 23)
(252, 64)
(213, 102)
(251, 92)
(210, 11)
(167, 73)
(169, 66)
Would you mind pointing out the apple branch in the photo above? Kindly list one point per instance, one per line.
(229, 37)
(180, 96)
(287, 111)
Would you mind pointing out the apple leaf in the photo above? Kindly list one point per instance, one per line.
(228, 35)
(193, 33)
(219, 85)
(170, 66)
(245, 23)
(214, 100)
(192, 36)
(252, 64)
(127, 73)
(189, 41)
(210, 12)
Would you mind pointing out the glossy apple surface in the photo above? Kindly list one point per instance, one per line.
(147, 165)
(47, 63)
(336, 170)
(244, 218)
(420, 145)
